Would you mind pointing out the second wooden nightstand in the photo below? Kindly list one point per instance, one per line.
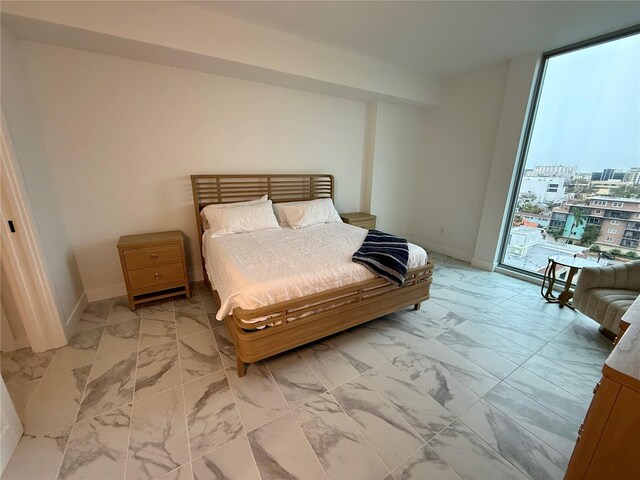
(359, 219)
(154, 266)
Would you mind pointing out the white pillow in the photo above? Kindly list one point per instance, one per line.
(215, 206)
(242, 219)
(312, 212)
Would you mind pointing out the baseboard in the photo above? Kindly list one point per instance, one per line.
(483, 264)
(443, 249)
(74, 318)
(103, 293)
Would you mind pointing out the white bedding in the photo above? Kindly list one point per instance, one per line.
(252, 270)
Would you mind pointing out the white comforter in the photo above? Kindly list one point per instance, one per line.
(252, 270)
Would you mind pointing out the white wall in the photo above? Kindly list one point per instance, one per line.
(36, 170)
(123, 136)
(431, 165)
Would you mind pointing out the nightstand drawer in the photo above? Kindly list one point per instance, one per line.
(152, 256)
(369, 225)
(152, 276)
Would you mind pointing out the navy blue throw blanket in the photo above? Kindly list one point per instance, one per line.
(385, 255)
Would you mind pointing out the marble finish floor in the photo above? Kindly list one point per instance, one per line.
(486, 381)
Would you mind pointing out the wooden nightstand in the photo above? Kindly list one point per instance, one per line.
(359, 219)
(154, 266)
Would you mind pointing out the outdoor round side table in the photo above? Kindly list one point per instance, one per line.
(574, 264)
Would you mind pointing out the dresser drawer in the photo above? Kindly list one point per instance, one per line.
(369, 224)
(151, 256)
(155, 276)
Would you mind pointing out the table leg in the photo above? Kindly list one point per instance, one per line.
(550, 276)
(566, 295)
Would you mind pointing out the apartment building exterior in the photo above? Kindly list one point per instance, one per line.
(618, 219)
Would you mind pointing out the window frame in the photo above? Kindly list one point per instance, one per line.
(527, 130)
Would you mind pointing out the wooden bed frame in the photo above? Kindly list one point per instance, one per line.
(297, 322)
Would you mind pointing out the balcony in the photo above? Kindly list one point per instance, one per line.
(632, 235)
(629, 243)
(633, 226)
(617, 215)
(594, 221)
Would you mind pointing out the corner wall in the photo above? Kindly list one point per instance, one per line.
(35, 167)
(123, 136)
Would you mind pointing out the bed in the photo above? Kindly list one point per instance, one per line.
(272, 301)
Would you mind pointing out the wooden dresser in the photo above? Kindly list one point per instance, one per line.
(359, 219)
(154, 266)
(608, 445)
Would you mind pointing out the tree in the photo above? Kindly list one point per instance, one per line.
(578, 219)
(590, 234)
(526, 198)
(556, 233)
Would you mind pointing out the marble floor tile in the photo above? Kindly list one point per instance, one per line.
(198, 355)
(80, 351)
(55, 401)
(534, 315)
(470, 456)
(233, 461)
(341, 449)
(579, 355)
(21, 393)
(567, 378)
(158, 369)
(211, 307)
(25, 366)
(393, 334)
(191, 319)
(182, 301)
(549, 427)
(554, 398)
(282, 451)
(158, 442)
(118, 339)
(463, 300)
(157, 330)
(328, 364)
(356, 351)
(120, 311)
(48, 449)
(482, 355)
(465, 371)
(507, 324)
(257, 396)
(97, 447)
(425, 464)
(435, 381)
(525, 451)
(536, 302)
(159, 307)
(94, 315)
(503, 346)
(212, 416)
(110, 385)
(423, 413)
(488, 286)
(180, 473)
(297, 382)
(225, 346)
(387, 432)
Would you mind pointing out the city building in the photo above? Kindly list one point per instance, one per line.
(632, 176)
(546, 189)
(618, 219)
(565, 171)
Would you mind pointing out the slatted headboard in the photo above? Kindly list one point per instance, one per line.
(209, 189)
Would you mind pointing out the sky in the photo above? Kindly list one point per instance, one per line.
(589, 109)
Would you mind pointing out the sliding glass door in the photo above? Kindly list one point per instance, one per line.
(578, 187)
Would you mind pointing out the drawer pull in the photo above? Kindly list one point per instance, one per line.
(157, 276)
(154, 256)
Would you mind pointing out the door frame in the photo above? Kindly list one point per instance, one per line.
(22, 256)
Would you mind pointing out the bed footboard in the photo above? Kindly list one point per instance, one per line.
(263, 332)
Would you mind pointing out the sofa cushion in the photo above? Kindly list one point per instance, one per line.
(607, 305)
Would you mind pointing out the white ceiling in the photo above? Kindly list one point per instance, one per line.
(439, 38)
